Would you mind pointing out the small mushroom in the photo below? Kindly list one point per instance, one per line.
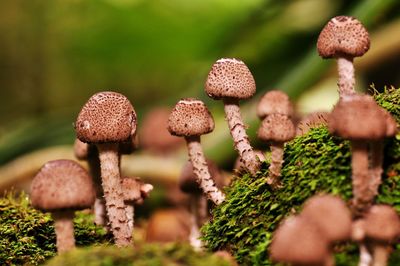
(154, 136)
(197, 201)
(190, 118)
(382, 228)
(231, 81)
(359, 119)
(61, 187)
(276, 129)
(344, 38)
(107, 120)
(312, 120)
(298, 242)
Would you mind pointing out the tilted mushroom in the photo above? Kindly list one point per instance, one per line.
(190, 119)
(61, 187)
(231, 81)
(277, 128)
(382, 228)
(344, 38)
(107, 120)
(299, 243)
(361, 120)
(198, 206)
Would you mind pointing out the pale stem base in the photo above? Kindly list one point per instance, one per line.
(239, 136)
(346, 76)
(64, 227)
(200, 169)
(194, 236)
(365, 256)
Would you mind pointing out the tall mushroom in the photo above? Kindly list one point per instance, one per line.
(190, 118)
(361, 120)
(231, 81)
(382, 228)
(106, 120)
(277, 128)
(61, 187)
(344, 38)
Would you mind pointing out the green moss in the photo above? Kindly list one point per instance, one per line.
(315, 162)
(27, 236)
(140, 255)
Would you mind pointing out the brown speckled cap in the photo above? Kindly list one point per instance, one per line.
(106, 117)
(190, 117)
(62, 184)
(230, 78)
(187, 179)
(358, 118)
(274, 102)
(331, 215)
(277, 128)
(299, 242)
(343, 35)
(382, 223)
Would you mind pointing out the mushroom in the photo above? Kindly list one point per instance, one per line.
(275, 109)
(135, 191)
(344, 38)
(361, 120)
(382, 228)
(298, 242)
(61, 187)
(107, 120)
(154, 136)
(231, 81)
(190, 119)
(276, 129)
(197, 202)
(311, 120)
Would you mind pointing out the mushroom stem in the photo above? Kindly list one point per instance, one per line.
(202, 211)
(330, 260)
(194, 236)
(346, 76)
(130, 216)
(360, 178)
(240, 138)
(276, 163)
(365, 256)
(201, 172)
(376, 170)
(380, 255)
(116, 209)
(64, 228)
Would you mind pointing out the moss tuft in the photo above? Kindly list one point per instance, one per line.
(314, 163)
(27, 236)
(141, 255)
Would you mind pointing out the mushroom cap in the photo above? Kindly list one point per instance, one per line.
(134, 189)
(230, 78)
(154, 135)
(343, 36)
(277, 128)
(312, 120)
(358, 118)
(299, 242)
(62, 184)
(190, 117)
(391, 124)
(331, 215)
(274, 102)
(382, 223)
(187, 179)
(106, 117)
(81, 149)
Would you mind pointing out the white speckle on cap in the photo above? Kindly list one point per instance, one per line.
(231, 60)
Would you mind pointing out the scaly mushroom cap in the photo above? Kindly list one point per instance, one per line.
(106, 117)
(154, 135)
(298, 242)
(134, 189)
(190, 117)
(62, 184)
(382, 223)
(331, 215)
(343, 36)
(277, 128)
(358, 118)
(187, 179)
(230, 78)
(274, 102)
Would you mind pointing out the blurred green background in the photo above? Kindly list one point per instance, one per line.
(55, 54)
